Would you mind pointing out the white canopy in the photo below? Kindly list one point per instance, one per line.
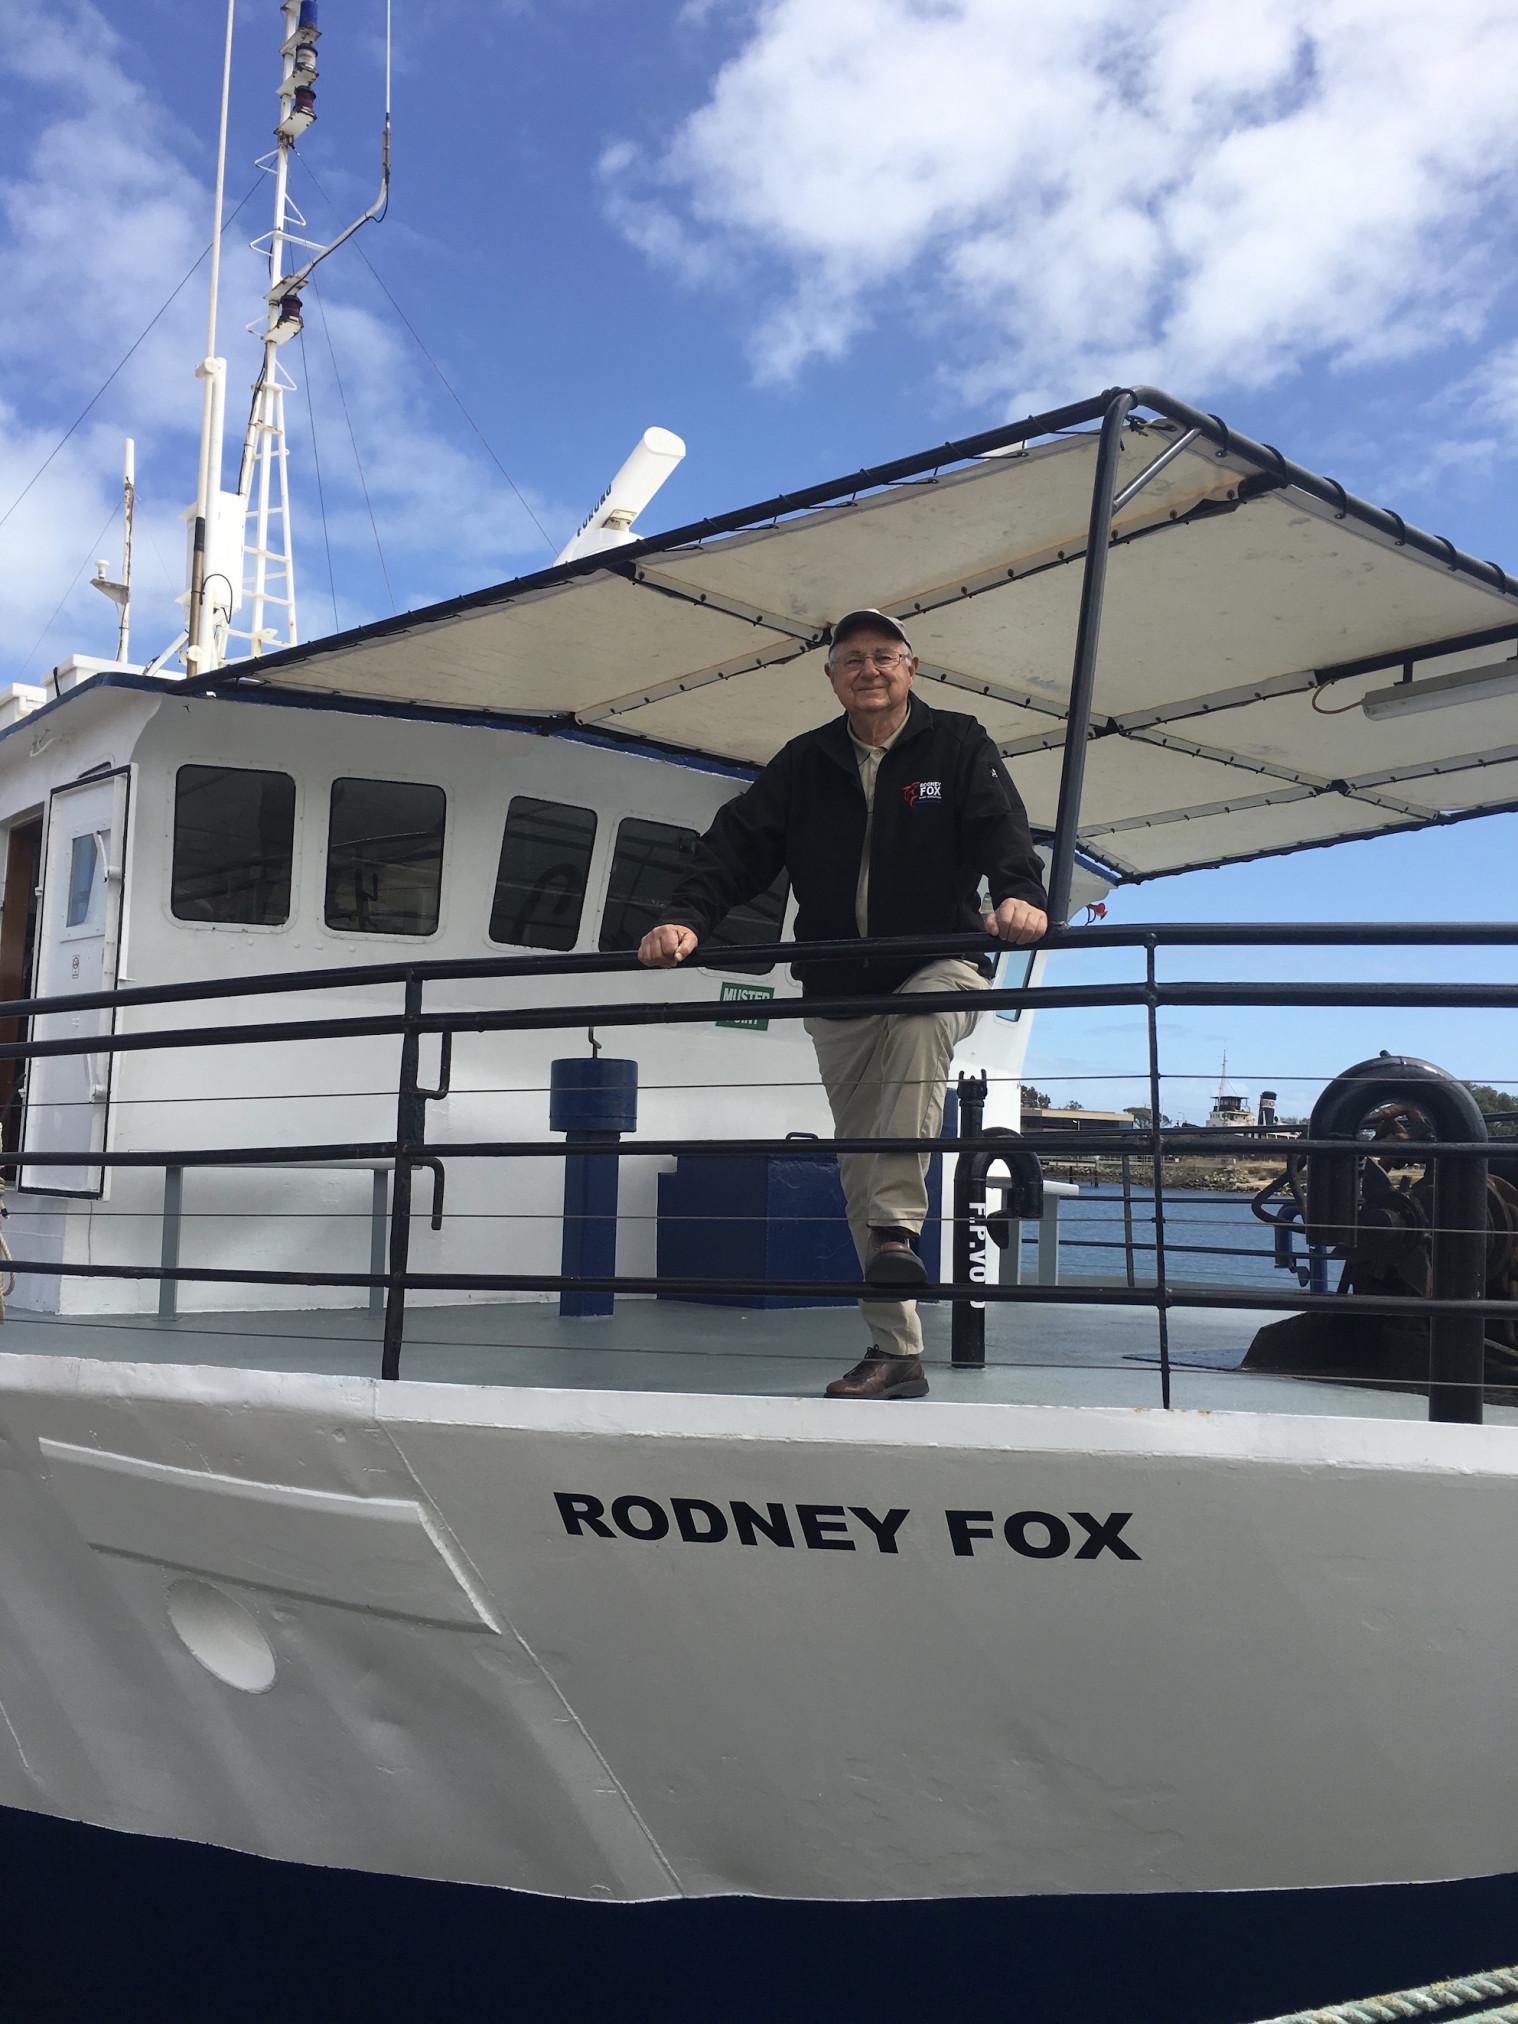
(1229, 593)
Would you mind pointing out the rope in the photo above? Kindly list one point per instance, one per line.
(321, 496)
(126, 355)
(1428, 2000)
(90, 553)
(353, 439)
(548, 541)
(521, 497)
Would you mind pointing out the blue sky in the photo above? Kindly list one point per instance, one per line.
(807, 237)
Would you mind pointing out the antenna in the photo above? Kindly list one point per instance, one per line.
(609, 522)
(120, 593)
(263, 490)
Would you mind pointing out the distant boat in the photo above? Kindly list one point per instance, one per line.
(1230, 1111)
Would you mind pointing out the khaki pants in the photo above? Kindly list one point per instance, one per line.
(884, 1076)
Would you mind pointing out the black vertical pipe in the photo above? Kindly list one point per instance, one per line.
(972, 1239)
(1087, 630)
(1128, 1216)
(410, 1130)
(1157, 1169)
(197, 589)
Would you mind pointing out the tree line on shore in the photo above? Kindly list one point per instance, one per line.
(1501, 1105)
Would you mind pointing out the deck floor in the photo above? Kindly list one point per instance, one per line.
(1037, 1355)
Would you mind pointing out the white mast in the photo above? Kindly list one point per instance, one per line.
(207, 601)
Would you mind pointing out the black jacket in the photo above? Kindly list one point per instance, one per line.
(946, 815)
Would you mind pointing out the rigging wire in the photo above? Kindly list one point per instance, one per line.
(159, 563)
(122, 361)
(321, 311)
(321, 497)
(90, 554)
(684, 1087)
(521, 498)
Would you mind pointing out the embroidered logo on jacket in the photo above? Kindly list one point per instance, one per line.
(922, 790)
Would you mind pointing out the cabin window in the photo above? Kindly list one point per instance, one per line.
(540, 879)
(384, 857)
(649, 861)
(234, 843)
(81, 880)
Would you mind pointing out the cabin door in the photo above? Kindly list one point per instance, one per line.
(78, 943)
(18, 937)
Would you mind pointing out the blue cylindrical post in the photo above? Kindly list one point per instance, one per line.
(591, 1100)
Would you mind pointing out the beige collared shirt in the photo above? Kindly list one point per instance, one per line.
(869, 758)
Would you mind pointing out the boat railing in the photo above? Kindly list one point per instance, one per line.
(1456, 1304)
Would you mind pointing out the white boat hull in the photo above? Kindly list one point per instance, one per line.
(1289, 1665)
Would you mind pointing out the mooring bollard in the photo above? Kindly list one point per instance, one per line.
(592, 1101)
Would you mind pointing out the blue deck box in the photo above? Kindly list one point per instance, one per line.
(766, 1217)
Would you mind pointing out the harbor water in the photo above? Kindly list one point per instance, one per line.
(1214, 1239)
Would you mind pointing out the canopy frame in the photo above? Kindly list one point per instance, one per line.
(1267, 469)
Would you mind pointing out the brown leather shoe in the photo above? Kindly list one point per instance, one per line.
(892, 1261)
(878, 1376)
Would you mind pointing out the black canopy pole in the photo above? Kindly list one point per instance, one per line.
(1265, 457)
(1088, 627)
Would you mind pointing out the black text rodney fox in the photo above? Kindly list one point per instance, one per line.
(842, 1528)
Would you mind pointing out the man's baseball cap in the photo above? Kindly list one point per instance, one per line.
(867, 620)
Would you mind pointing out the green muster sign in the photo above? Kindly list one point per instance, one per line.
(746, 991)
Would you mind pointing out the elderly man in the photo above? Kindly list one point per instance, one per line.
(886, 820)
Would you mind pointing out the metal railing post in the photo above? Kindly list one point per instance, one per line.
(1048, 1240)
(168, 1256)
(410, 1129)
(1157, 1166)
(1087, 630)
(1457, 1271)
(378, 1212)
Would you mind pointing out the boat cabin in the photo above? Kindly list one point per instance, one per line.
(153, 835)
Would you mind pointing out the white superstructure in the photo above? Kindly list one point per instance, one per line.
(97, 789)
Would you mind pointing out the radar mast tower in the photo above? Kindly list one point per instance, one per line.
(241, 544)
(263, 480)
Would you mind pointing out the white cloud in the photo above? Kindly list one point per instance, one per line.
(1204, 191)
(99, 218)
(1493, 391)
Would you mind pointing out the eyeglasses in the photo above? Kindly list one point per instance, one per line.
(880, 657)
